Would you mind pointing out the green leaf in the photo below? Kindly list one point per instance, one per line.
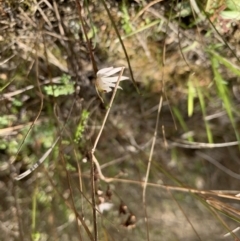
(66, 87)
(81, 126)
(233, 5)
(233, 15)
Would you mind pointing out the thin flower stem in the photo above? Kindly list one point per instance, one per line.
(93, 159)
(108, 111)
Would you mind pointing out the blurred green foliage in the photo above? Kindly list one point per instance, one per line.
(65, 87)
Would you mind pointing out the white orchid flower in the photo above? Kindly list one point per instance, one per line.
(105, 82)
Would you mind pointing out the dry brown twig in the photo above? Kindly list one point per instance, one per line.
(145, 9)
(150, 160)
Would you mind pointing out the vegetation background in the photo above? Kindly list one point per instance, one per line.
(166, 166)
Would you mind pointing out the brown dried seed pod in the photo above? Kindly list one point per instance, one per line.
(109, 193)
(130, 222)
(123, 208)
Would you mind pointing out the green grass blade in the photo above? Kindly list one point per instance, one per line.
(191, 96)
(235, 69)
(223, 92)
(203, 108)
(179, 116)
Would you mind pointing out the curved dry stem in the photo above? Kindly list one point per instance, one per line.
(94, 160)
(145, 9)
(227, 194)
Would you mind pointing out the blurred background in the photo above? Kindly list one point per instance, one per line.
(167, 162)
